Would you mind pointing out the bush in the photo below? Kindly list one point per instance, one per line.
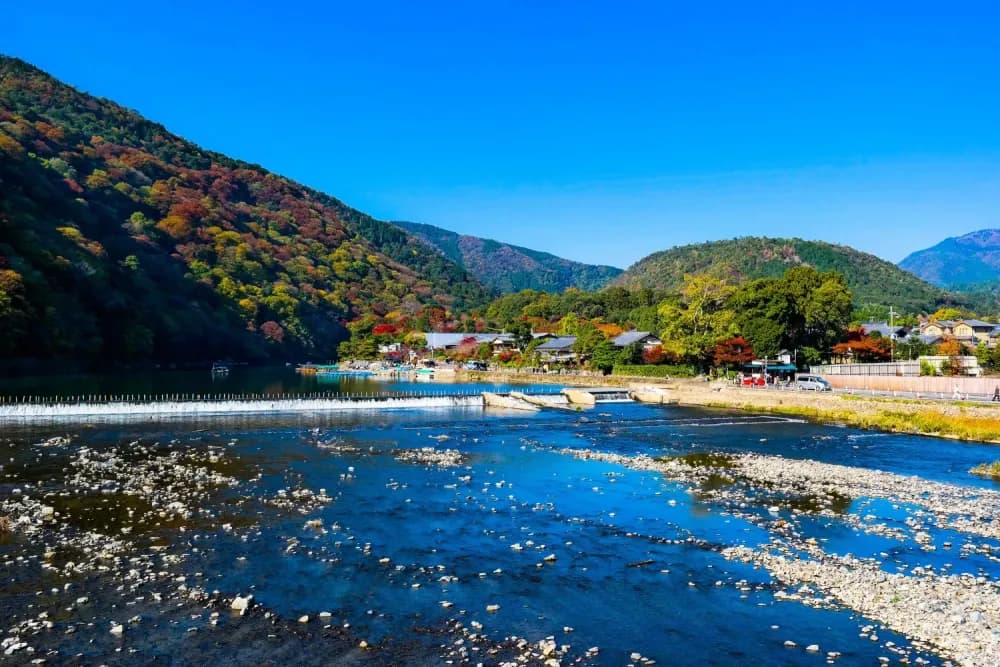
(927, 368)
(987, 470)
(648, 371)
(6, 525)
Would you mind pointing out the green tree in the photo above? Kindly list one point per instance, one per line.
(604, 356)
(588, 337)
(697, 318)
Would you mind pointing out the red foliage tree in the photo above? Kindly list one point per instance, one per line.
(652, 355)
(733, 351)
(272, 331)
(863, 348)
(384, 330)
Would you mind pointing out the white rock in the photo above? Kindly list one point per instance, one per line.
(241, 604)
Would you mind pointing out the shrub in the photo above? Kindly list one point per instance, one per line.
(647, 371)
(6, 525)
(987, 470)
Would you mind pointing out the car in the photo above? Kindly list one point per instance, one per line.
(812, 383)
(755, 380)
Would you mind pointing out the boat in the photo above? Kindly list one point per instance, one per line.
(219, 368)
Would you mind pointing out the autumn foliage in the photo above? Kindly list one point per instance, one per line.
(227, 259)
(735, 351)
(863, 348)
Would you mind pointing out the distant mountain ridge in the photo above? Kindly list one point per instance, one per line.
(959, 261)
(871, 280)
(509, 268)
(120, 241)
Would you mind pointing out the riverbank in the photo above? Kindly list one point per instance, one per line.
(944, 419)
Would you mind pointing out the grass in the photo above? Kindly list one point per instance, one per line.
(987, 470)
(923, 422)
(914, 401)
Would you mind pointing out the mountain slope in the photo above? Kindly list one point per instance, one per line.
(122, 241)
(963, 260)
(872, 280)
(509, 268)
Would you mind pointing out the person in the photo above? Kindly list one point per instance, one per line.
(957, 395)
(996, 394)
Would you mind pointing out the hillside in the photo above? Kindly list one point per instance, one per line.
(120, 241)
(871, 280)
(509, 268)
(972, 259)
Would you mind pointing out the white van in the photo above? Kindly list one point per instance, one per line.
(812, 383)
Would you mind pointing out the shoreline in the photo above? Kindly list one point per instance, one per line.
(957, 420)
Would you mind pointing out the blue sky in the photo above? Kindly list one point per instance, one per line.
(597, 131)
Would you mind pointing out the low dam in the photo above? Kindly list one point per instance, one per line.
(34, 408)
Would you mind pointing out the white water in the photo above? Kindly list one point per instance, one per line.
(276, 405)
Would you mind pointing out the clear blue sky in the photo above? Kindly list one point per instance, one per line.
(597, 131)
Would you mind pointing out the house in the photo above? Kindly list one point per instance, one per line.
(926, 338)
(937, 328)
(970, 332)
(895, 332)
(633, 337)
(974, 331)
(559, 348)
(450, 341)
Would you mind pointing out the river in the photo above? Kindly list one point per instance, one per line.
(421, 536)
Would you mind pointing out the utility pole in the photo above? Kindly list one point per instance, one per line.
(892, 335)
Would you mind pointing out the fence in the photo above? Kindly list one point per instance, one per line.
(894, 369)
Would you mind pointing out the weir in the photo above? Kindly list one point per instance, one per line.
(215, 406)
(34, 408)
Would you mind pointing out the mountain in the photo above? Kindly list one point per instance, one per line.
(872, 280)
(509, 268)
(120, 241)
(972, 259)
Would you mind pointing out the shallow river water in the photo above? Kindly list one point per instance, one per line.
(136, 537)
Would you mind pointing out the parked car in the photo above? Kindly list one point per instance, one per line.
(755, 380)
(812, 383)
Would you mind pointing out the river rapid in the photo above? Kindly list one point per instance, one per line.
(622, 534)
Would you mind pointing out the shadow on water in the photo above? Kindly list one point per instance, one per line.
(835, 502)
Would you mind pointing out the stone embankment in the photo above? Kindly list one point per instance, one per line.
(949, 419)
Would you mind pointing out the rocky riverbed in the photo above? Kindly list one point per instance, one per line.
(517, 540)
(957, 614)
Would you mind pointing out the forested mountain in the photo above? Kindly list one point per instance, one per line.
(871, 280)
(120, 241)
(972, 259)
(509, 268)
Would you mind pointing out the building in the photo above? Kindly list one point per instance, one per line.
(977, 331)
(558, 349)
(895, 332)
(968, 331)
(450, 341)
(633, 337)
